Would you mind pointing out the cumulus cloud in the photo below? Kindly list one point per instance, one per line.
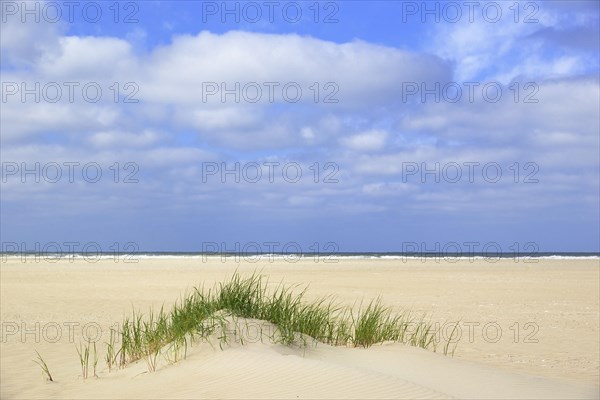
(88, 58)
(24, 43)
(188, 79)
(191, 61)
(506, 49)
(367, 141)
(126, 139)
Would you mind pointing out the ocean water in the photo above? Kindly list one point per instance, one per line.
(297, 256)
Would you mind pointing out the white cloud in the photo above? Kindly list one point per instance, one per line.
(387, 188)
(23, 43)
(124, 139)
(92, 58)
(218, 119)
(307, 134)
(171, 80)
(373, 140)
(506, 49)
(177, 72)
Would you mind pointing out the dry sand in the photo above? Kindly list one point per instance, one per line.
(529, 330)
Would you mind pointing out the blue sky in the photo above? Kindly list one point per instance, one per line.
(385, 98)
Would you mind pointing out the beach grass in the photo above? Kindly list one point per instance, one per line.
(45, 370)
(111, 352)
(451, 340)
(84, 352)
(84, 358)
(202, 313)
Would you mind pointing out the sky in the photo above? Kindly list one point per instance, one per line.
(346, 126)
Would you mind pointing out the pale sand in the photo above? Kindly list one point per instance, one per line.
(559, 298)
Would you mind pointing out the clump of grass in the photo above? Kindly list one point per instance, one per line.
(316, 320)
(133, 334)
(204, 313)
(194, 317)
(423, 336)
(282, 309)
(450, 340)
(374, 325)
(177, 351)
(340, 332)
(243, 297)
(153, 336)
(45, 370)
(95, 360)
(111, 352)
(84, 358)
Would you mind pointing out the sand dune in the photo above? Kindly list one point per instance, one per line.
(565, 297)
(265, 370)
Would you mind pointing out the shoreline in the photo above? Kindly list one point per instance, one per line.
(294, 257)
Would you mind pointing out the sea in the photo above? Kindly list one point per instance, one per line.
(254, 256)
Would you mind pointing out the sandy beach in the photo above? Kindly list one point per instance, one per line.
(528, 330)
